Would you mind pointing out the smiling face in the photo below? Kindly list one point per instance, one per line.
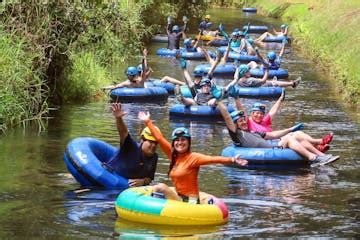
(181, 144)
(241, 123)
(257, 116)
(148, 148)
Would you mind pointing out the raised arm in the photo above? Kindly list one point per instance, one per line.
(280, 133)
(275, 108)
(164, 144)
(240, 106)
(207, 56)
(282, 50)
(145, 73)
(226, 116)
(118, 113)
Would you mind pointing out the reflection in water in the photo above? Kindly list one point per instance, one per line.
(36, 201)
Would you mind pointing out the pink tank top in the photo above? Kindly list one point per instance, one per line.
(264, 126)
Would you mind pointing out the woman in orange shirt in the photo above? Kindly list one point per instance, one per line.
(184, 165)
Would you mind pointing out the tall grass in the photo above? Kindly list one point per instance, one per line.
(22, 91)
(84, 78)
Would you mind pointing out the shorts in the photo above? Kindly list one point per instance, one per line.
(186, 198)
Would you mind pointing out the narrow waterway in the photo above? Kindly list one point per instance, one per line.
(37, 192)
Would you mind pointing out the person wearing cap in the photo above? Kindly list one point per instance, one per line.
(184, 164)
(135, 161)
(204, 97)
(273, 61)
(258, 121)
(284, 30)
(302, 143)
(136, 77)
(174, 34)
(205, 25)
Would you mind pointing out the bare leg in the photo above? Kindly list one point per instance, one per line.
(252, 65)
(263, 36)
(290, 142)
(310, 147)
(188, 101)
(168, 192)
(300, 136)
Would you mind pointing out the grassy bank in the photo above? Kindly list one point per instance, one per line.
(66, 50)
(327, 32)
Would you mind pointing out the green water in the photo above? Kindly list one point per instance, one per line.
(36, 190)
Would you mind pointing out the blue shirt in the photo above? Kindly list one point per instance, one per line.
(205, 25)
(131, 163)
(275, 65)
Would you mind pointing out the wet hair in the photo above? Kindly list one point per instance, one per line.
(174, 155)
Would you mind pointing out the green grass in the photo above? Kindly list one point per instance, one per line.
(22, 91)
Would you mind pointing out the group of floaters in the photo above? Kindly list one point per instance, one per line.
(133, 165)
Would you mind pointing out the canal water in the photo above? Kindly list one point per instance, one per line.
(37, 192)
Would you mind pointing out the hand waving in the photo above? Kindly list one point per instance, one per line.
(117, 111)
(144, 116)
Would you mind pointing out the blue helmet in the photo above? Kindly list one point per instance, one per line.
(131, 71)
(241, 34)
(180, 132)
(258, 107)
(187, 42)
(235, 34)
(271, 55)
(205, 81)
(243, 68)
(235, 115)
(175, 28)
(198, 73)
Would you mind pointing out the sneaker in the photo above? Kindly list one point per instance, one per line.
(327, 138)
(323, 147)
(320, 160)
(326, 159)
(296, 82)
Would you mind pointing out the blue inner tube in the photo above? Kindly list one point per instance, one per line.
(267, 157)
(256, 29)
(229, 70)
(163, 38)
(279, 73)
(180, 110)
(84, 158)
(184, 54)
(157, 83)
(258, 92)
(278, 39)
(243, 57)
(151, 94)
(249, 9)
(220, 70)
(219, 42)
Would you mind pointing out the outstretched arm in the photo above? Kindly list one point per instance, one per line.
(275, 108)
(280, 133)
(164, 144)
(226, 116)
(118, 113)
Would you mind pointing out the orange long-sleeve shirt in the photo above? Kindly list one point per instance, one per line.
(184, 174)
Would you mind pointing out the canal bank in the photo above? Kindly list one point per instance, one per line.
(325, 31)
